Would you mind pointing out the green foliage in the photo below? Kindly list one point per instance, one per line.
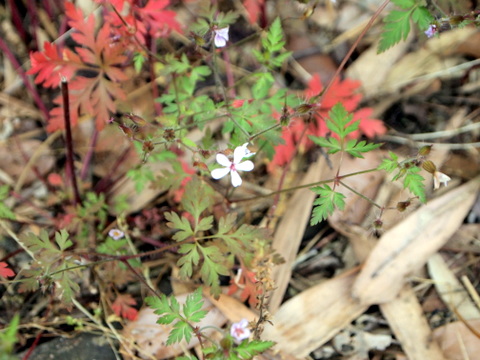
(326, 203)
(243, 351)
(5, 212)
(171, 311)
(397, 22)
(408, 172)
(272, 55)
(248, 349)
(340, 123)
(8, 338)
(51, 267)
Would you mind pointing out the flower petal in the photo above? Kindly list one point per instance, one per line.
(236, 179)
(245, 166)
(239, 153)
(219, 173)
(221, 37)
(223, 160)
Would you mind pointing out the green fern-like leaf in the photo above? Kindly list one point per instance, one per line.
(248, 349)
(397, 22)
(326, 203)
(414, 183)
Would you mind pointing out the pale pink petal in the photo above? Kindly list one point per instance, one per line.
(219, 173)
(236, 179)
(223, 160)
(245, 166)
(221, 37)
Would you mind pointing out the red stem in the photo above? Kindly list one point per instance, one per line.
(69, 143)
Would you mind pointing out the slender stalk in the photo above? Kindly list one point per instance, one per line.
(69, 143)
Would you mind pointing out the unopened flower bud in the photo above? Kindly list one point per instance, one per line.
(403, 205)
(425, 150)
(429, 166)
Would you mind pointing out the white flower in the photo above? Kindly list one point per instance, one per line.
(116, 234)
(239, 153)
(221, 37)
(440, 178)
(240, 330)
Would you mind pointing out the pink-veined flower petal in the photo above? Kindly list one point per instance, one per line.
(220, 173)
(236, 179)
(240, 330)
(223, 160)
(244, 166)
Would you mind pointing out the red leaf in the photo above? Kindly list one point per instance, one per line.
(98, 55)
(340, 91)
(254, 8)
(248, 283)
(5, 271)
(122, 307)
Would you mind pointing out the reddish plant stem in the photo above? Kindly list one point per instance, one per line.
(69, 143)
(352, 49)
(17, 20)
(18, 68)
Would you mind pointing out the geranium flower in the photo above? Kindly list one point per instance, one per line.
(440, 178)
(116, 234)
(239, 153)
(221, 37)
(432, 30)
(240, 330)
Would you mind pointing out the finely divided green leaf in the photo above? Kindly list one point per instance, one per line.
(422, 17)
(248, 349)
(355, 148)
(190, 259)
(179, 223)
(180, 331)
(193, 307)
(326, 203)
(414, 183)
(397, 27)
(389, 165)
(404, 4)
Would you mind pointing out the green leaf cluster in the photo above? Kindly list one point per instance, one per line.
(5, 212)
(243, 351)
(272, 54)
(210, 255)
(408, 172)
(340, 123)
(171, 311)
(325, 204)
(397, 22)
(51, 267)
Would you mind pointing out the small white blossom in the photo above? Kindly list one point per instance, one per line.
(440, 178)
(239, 153)
(240, 330)
(116, 234)
(221, 37)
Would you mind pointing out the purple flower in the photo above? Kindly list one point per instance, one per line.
(432, 30)
(221, 37)
(240, 330)
(239, 153)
